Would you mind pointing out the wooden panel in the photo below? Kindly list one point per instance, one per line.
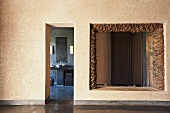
(120, 58)
(136, 58)
(103, 52)
(47, 62)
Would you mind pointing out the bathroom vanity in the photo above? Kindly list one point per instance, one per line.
(61, 74)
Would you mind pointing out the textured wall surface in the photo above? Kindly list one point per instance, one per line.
(22, 43)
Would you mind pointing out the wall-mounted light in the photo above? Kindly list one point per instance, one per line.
(51, 49)
(71, 49)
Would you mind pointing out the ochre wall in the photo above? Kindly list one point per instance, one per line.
(23, 51)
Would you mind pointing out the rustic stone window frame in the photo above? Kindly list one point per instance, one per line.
(158, 48)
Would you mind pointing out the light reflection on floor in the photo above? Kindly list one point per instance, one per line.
(62, 102)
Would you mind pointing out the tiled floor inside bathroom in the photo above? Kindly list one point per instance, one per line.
(62, 102)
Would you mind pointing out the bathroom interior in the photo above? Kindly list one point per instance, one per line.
(61, 62)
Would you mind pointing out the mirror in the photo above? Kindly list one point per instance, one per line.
(156, 29)
(61, 49)
(61, 39)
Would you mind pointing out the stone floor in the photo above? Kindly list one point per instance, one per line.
(61, 92)
(62, 102)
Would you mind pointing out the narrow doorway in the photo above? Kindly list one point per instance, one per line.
(61, 42)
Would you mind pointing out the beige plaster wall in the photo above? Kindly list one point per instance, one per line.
(22, 43)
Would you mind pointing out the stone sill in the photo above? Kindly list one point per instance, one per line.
(125, 88)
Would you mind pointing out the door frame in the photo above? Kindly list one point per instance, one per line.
(47, 54)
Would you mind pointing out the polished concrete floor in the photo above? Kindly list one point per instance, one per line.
(62, 102)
